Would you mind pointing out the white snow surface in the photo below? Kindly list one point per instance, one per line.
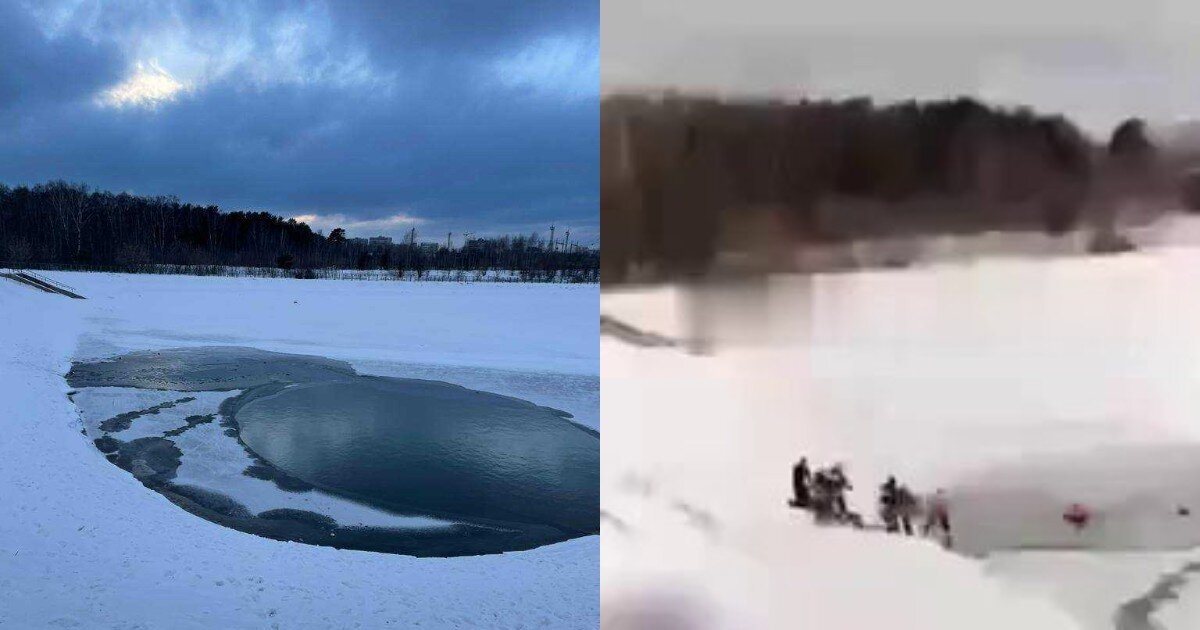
(931, 373)
(83, 544)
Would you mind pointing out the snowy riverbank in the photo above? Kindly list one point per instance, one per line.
(931, 374)
(85, 545)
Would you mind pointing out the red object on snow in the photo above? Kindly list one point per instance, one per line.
(1077, 515)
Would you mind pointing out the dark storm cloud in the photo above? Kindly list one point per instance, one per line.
(37, 71)
(468, 116)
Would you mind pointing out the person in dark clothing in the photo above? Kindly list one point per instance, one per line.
(801, 478)
(906, 506)
(887, 504)
(822, 497)
(839, 485)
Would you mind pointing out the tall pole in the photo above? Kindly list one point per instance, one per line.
(551, 237)
(412, 237)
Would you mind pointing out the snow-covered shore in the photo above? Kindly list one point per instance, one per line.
(930, 373)
(697, 521)
(83, 544)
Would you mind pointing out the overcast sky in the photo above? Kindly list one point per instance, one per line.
(1097, 61)
(451, 115)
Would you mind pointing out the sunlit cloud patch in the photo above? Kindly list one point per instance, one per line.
(148, 86)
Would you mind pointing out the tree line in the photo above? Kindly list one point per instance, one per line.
(685, 178)
(69, 224)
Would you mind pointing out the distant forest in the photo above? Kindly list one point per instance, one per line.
(68, 225)
(684, 178)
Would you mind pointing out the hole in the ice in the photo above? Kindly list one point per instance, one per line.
(308, 450)
(1137, 497)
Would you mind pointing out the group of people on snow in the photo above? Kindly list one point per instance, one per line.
(824, 493)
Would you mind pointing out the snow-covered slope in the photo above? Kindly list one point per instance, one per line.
(508, 326)
(930, 373)
(694, 492)
(83, 544)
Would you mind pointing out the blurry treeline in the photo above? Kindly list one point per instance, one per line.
(686, 179)
(67, 225)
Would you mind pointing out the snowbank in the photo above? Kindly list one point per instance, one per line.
(428, 275)
(515, 327)
(934, 374)
(940, 372)
(1090, 586)
(694, 480)
(82, 544)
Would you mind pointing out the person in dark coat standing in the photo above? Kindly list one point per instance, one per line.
(906, 506)
(840, 484)
(822, 497)
(887, 504)
(801, 478)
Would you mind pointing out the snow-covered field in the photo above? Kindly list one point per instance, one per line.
(83, 544)
(427, 275)
(933, 374)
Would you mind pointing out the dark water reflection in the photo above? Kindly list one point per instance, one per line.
(431, 447)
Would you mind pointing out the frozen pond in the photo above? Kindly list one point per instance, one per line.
(304, 448)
